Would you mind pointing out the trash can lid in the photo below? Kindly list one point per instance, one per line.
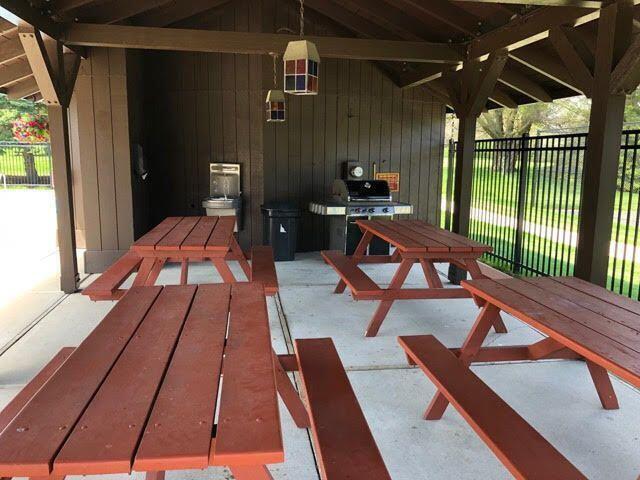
(280, 209)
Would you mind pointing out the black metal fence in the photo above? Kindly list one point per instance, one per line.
(25, 164)
(526, 199)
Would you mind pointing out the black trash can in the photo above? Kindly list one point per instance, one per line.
(280, 229)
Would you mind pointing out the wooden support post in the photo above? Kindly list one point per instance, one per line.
(605, 75)
(55, 72)
(469, 93)
(601, 158)
(62, 187)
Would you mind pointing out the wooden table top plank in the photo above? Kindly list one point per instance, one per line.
(106, 436)
(149, 240)
(429, 243)
(402, 242)
(198, 237)
(173, 240)
(221, 236)
(594, 346)
(609, 310)
(600, 293)
(458, 243)
(30, 442)
(549, 299)
(179, 430)
(249, 431)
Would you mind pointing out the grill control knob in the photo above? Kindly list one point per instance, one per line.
(371, 210)
(385, 210)
(357, 210)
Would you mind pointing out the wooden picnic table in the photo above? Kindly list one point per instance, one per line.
(580, 321)
(414, 241)
(175, 239)
(141, 391)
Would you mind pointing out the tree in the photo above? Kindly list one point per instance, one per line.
(511, 123)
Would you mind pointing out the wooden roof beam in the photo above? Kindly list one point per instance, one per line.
(531, 28)
(390, 18)
(546, 65)
(30, 15)
(174, 39)
(546, 3)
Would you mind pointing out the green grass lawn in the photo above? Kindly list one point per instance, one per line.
(552, 200)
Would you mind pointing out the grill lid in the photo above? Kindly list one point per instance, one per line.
(361, 190)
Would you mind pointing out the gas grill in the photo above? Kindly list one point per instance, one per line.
(358, 199)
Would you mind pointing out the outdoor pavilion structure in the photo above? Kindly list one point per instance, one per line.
(473, 55)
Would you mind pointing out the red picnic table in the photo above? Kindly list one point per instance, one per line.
(184, 240)
(580, 321)
(415, 241)
(141, 393)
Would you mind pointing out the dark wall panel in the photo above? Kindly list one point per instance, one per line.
(204, 108)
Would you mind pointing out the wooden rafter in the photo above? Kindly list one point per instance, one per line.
(175, 11)
(10, 50)
(546, 3)
(546, 65)
(119, 10)
(443, 11)
(120, 36)
(22, 89)
(574, 53)
(390, 18)
(15, 72)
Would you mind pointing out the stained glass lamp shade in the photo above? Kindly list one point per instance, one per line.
(301, 68)
(276, 108)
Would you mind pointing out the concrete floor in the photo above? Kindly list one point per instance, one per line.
(557, 397)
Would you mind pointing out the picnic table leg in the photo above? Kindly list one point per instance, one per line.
(469, 349)
(250, 472)
(240, 257)
(474, 271)
(143, 271)
(290, 396)
(603, 385)
(385, 305)
(223, 269)
(357, 255)
(155, 272)
(154, 475)
(430, 274)
(184, 271)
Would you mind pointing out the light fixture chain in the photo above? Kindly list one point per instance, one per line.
(301, 18)
(275, 77)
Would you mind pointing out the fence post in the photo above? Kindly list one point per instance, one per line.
(449, 190)
(522, 194)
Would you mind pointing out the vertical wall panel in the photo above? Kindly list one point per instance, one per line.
(215, 109)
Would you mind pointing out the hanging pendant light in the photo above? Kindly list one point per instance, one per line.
(276, 106)
(301, 64)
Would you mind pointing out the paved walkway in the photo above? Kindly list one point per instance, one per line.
(558, 398)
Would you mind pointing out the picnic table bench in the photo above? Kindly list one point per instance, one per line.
(141, 393)
(415, 241)
(185, 240)
(580, 321)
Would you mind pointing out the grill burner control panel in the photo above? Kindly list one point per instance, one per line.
(366, 211)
